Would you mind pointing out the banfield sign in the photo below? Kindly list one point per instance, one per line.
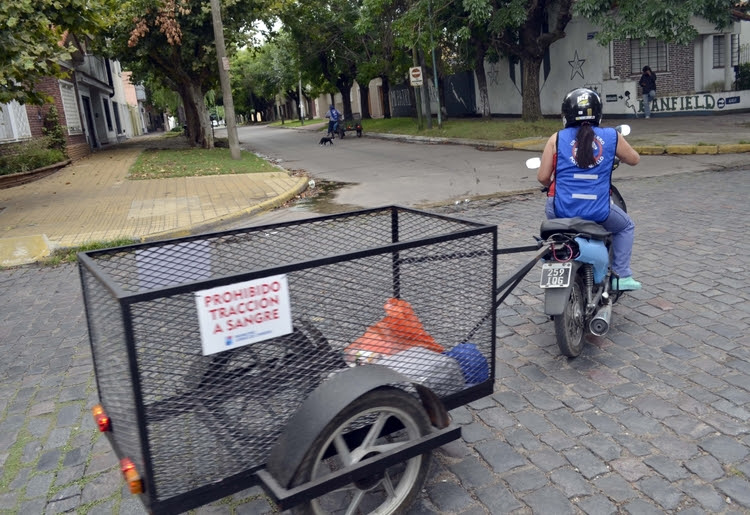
(700, 103)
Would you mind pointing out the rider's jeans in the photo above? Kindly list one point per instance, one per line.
(622, 228)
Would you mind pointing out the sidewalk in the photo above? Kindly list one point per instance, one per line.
(91, 200)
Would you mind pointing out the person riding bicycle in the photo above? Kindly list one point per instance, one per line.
(333, 116)
(577, 166)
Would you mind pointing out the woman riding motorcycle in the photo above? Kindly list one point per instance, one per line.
(581, 158)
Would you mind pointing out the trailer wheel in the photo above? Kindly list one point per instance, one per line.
(388, 491)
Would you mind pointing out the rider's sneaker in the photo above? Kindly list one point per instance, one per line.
(625, 283)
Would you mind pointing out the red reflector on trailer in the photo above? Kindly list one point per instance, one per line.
(101, 418)
(132, 476)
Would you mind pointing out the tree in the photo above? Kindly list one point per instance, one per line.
(253, 84)
(668, 20)
(35, 35)
(327, 43)
(384, 56)
(525, 29)
(173, 42)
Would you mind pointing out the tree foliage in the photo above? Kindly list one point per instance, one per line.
(668, 20)
(35, 35)
(172, 43)
(328, 46)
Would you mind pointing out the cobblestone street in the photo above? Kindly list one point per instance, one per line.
(652, 418)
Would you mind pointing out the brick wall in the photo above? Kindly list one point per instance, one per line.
(678, 79)
(77, 146)
(7, 149)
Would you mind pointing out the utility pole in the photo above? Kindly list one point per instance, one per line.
(226, 87)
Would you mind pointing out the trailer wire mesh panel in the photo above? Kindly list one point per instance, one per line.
(189, 420)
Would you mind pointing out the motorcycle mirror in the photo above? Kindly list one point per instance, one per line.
(533, 163)
(623, 129)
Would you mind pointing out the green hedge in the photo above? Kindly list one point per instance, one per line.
(30, 155)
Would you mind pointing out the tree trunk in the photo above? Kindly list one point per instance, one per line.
(532, 109)
(364, 97)
(196, 115)
(484, 95)
(345, 87)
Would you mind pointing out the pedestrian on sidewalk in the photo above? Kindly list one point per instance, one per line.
(648, 87)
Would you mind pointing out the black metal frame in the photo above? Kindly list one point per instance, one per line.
(250, 477)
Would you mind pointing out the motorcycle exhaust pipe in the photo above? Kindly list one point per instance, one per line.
(599, 325)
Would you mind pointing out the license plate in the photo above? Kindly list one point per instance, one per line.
(555, 275)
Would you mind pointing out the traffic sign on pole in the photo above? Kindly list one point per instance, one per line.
(415, 76)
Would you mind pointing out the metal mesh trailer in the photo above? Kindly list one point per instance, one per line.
(199, 426)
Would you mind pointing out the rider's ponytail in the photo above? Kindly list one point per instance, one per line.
(584, 146)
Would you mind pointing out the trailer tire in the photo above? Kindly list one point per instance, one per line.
(392, 490)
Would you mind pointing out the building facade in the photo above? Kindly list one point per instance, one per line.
(691, 79)
(97, 105)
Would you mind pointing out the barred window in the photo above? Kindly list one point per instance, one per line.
(14, 122)
(70, 106)
(720, 50)
(652, 53)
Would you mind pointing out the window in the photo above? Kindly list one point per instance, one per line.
(14, 122)
(720, 50)
(70, 106)
(652, 53)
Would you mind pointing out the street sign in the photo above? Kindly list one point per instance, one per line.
(415, 76)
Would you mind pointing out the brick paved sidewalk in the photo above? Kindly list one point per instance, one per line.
(91, 200)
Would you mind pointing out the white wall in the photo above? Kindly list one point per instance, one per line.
(575, 61)
(578, 60)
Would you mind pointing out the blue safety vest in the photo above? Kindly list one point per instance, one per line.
(579, 191)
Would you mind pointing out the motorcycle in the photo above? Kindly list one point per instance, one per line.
(576, 273)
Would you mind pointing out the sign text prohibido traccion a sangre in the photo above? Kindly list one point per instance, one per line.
(243, 313)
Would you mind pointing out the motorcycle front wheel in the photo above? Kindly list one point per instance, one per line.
(569, 326)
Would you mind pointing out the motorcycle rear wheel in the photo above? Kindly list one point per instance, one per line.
(570, 325)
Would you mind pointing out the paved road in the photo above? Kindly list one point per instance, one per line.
(654, 418)
(379, 172)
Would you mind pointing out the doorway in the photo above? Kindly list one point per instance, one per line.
(90, 122)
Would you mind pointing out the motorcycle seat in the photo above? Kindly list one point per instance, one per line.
(585, 228)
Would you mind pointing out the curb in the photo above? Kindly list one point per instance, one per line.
(17, 179)
(537, 145)
(23, 250)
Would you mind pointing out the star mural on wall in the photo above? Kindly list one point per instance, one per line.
(577, 66)
(493, 74)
